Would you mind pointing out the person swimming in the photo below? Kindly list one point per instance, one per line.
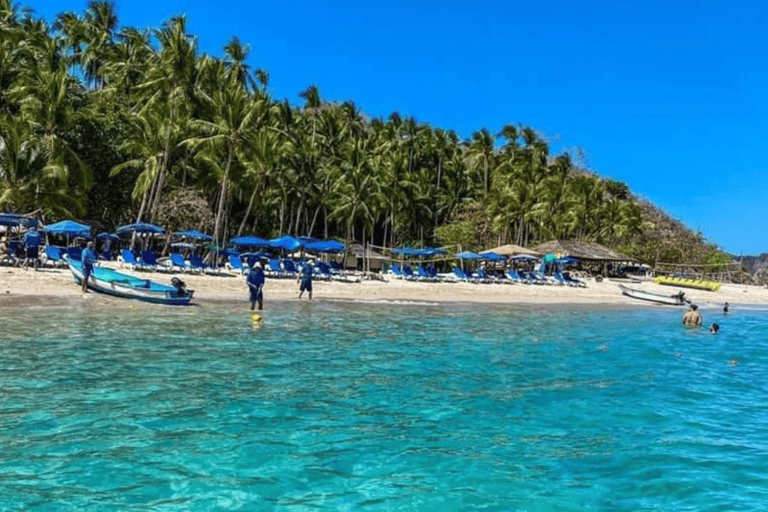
(725, 309)
(714, 328)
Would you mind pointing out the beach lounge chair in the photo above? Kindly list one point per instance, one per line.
(149, 261)
(397, 271)
(274, 269)
(197, 264)
(424, 274)
(323, 271)
(576, 282)
(408, 273)
(128, 259)
(236, 264)
(290, 268)
(460, 275)
(178, 263)
(55, 255)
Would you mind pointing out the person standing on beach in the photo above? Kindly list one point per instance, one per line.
(305, 278)
(32, 243)
(692, 317)
(89, 257)
(255, 281)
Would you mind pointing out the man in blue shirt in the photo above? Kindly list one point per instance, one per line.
(32, 241)
(305, 279)
(255, 282)
(89, 257)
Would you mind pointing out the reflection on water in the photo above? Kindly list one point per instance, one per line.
(383, 407)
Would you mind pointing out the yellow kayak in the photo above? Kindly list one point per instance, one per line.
(712, 286)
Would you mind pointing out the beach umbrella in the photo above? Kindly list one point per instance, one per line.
(490, 255)
(249, 241)
(182, 245)
(287, 243)
(13, 220)
(140, 227)
(68, 228)
(194, 234)
(112, 237)
(468, 255)
(331, 246)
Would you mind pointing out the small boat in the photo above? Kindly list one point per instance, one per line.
(112, 282)
(659, 298)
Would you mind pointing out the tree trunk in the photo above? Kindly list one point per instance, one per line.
(247, 212)
(222, 199)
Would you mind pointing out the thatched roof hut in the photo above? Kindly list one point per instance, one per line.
(512, 250)
(581, 251)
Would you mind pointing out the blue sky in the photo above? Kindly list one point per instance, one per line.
(669, 97)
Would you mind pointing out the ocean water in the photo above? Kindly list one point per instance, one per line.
(380, 407)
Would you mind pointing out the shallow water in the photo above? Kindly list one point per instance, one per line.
(340, 406)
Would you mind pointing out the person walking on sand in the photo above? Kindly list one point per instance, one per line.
(88, 259)
(692, 317)
(255, 281)
(305, 278)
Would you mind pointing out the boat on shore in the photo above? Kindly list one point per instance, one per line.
(670, 300)
(112, 282)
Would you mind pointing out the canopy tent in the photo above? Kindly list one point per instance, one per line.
(512, 250)
(425, 252)
(468, 255)
(249, 241)
(68, 228)
(492, 256)
(194, 234)
(14, 220)
(328, 246)
(286, 243)
(140, 227)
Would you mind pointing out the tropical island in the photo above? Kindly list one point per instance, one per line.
(112, 125)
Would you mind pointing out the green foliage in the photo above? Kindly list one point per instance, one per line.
(717, 259)
(457, 234)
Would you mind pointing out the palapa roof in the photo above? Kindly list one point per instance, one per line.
(580, 250)
(512, 250)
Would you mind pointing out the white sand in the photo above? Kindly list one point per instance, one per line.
(25, 286)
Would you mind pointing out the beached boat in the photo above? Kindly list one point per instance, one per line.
(112, 282)
(699, 284)
(659, 298)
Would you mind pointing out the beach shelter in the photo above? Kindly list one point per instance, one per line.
(328, 246)
(249, 241)
(512, 250)
(194, 234)
(286, 243)
(140, 227)
(68, 228)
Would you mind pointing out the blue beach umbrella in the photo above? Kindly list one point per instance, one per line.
(468, 255)
(287, 243)
(492, 256)
(249, 241)
(524, 257)
(195, 235)
(13, 220)
(68, 228)
(329, 246)
(140, 227)
(112, 237)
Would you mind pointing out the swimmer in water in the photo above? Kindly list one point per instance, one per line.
(256, 320)
(692, 317)
(725, 309)
(714, 328)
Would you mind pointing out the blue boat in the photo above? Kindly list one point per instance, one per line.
(112, 282)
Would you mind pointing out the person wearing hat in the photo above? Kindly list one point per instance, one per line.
(305, 278)
(88, 258)
(692, 317)
(255, 281)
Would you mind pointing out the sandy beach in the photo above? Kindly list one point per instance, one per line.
(19, 287)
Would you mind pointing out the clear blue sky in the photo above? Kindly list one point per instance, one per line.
(669, 97)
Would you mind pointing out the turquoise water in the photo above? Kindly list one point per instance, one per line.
(338, 406)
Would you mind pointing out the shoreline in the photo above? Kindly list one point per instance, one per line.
(53, 287)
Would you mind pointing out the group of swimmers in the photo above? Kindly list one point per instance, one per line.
(692, 318)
